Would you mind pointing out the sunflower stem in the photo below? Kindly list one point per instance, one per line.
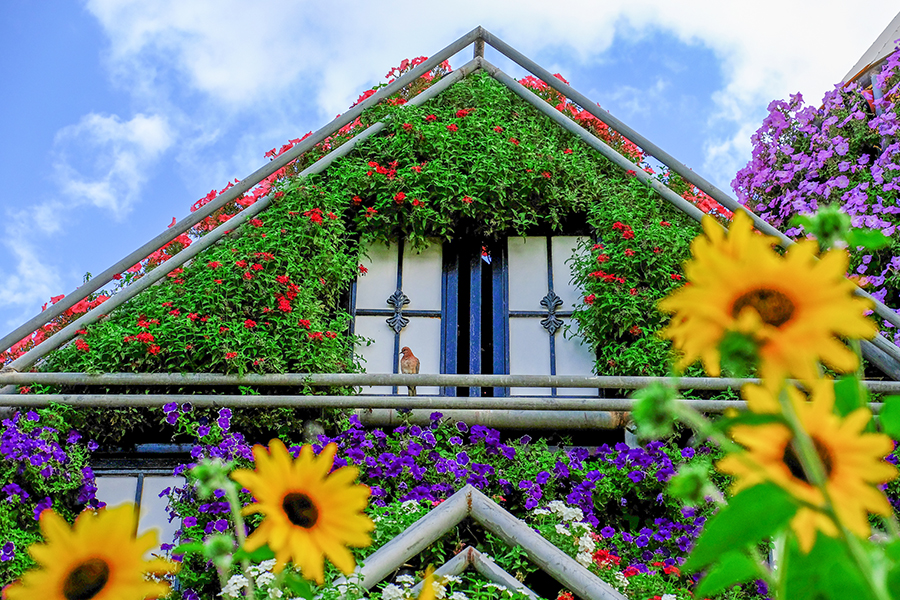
(239, 531)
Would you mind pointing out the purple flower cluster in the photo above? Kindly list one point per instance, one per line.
(844, 152)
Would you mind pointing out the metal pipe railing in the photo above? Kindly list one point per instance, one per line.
(233, 193)
(541, 403)
(29, 358)
(655, 151)
(395, 379)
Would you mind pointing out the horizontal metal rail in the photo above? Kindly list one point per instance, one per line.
(355, 402)
(658, 153)
(392, 379)
(234, 192)
(29, 358)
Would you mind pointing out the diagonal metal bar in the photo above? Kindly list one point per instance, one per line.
(483, 564)
(667, 159)
(234, 192)
(65, 334)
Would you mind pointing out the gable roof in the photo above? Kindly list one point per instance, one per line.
(882, 352)
(880, 49)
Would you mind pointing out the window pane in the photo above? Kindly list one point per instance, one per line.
(153, 508)
(527, 273)
(115, 490)
(529, 353)
(423, 336)
(573, 358)
(422, 277)
(563, 248)
(380, 354)
(375, 287)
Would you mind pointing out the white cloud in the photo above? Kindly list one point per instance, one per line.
(30, 282)
(104, 161)
(259, 56)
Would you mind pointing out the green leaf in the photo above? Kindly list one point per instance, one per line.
(827, 571)
(747, 418)
(733, 567)
(752, 515)
(890, 416)
(846, 395)
(257, 556)
(188, 548)
(297, 585)
(870, 239)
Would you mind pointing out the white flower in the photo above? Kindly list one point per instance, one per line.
(621, 580)
(582, 525)
(438, 588)
(586, 544)
(556, 506)
(584, 559)
(264, 579)
(669, 597)
(234, 586)
(405, 579)
(267, 565)
(571, 514)
(392, 592)
(275, 593)
(458, 596)
(410, 505)
(540, 512)
(451, 579)
(562, 530)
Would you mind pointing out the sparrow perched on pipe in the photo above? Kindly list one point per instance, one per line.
(409, 364)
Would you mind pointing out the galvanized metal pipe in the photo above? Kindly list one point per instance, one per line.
(500, 419)
(411, 542)
(667, 159)
(394, 379)
(233, 193)
(483, 564)
(548, 557)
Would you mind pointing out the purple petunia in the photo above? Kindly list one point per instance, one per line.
(8, 552)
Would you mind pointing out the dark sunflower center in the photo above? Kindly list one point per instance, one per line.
(773, 307)
(792, 460)
(86, 580)
(300, 510)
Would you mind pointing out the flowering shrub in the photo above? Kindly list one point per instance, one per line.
(845, 153)
(44, 463)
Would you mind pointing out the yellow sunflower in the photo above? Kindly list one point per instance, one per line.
(309, 513)
(96, 559)
(794, 306)
(853, 462)
(427, 592)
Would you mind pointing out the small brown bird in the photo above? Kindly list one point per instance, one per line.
(409, 364)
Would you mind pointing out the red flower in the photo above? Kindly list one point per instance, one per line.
(407, 126)
(223, 329)
(675, 276)
(330, 335)
(174, 312)
(264, 255)
(145, 336)
(163, 304)
(467, 200)
(241, 263)
(248, 275)
(498, 129)
(283, 279)
(628, 235)
(629, 252)
(598, 247)
(417, 202)
(631, 172)
(304, 323)
(371, 212)
(635, 330)
(219, 281)
(417, 169)
(356, 200)
(362, 269)
(602, 258)
(213, 264)
(656, 250)
(665, 223)
(256, 222)
(463, 112)
(633, 291)
(331, 215)
(567, 151)
(590, 299)
(24, 390)
(431, 118)
(153, 349)
(546, 174)
(249, 323)
(514, 141)
(230, 355)
(315, 335)
(82, 345)
(630, 572)
(452, 127)
(400, 197)
(257, 267)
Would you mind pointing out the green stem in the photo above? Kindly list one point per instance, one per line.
(239, 530)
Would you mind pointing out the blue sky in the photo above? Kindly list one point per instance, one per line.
(118, 114)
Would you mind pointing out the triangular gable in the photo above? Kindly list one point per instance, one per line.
(885, 355)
